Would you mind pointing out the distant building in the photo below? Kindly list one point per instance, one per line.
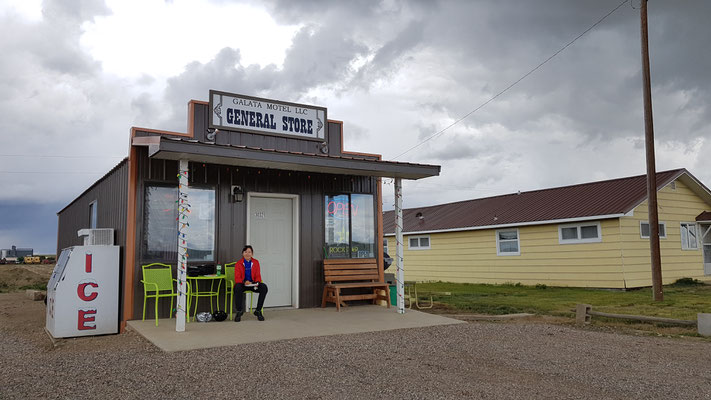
(16, 252)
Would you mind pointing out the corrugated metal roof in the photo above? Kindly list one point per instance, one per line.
(299, 153)
(604, 198)
(174, 148)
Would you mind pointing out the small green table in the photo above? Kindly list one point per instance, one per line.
(196, 293)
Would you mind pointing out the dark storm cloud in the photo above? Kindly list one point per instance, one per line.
(290, 12)
(224, 72)
(54, 42)
(56, 101)
(462, 147)
(596, 83)
(398, 71)
(29, 224)
(317, 57)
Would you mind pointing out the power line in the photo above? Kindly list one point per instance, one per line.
(511, 85)
(48, 172)
(56, 156)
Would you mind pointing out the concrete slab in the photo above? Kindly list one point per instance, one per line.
(283, 324)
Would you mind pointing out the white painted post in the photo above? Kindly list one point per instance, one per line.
(400, 278)
(183, 211)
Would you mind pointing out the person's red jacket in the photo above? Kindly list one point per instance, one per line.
(239, 271)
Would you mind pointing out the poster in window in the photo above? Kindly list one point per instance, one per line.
(337, 219)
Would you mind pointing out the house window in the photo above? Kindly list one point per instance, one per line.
(93, 214)
(579, 233)
(160, 226)
(507, 243)
(644, 230)
(419, 242)
(689, 240)
(350, 226)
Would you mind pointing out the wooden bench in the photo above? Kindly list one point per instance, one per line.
(352, 274)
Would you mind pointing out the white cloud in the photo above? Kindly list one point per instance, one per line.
(160, 38)
(30, 10)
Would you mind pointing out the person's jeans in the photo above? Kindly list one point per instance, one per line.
(239, 290)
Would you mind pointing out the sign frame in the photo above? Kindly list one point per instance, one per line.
(320, 135)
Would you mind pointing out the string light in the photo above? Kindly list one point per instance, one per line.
(183, 206)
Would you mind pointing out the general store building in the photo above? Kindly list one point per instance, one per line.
(268, 173)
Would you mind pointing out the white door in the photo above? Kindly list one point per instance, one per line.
(271, 235)
(706, 245)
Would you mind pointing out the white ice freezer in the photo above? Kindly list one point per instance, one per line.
(83, 292)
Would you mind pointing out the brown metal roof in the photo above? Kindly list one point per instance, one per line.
(704, 216)
(605, 198)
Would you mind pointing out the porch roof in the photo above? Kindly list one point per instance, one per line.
(176, 148)
(704, 217)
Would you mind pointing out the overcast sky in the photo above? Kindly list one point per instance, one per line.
(76, 75)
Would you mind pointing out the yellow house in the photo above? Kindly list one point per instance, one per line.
(588, 235)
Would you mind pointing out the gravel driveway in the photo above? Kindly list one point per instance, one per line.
(475, 360)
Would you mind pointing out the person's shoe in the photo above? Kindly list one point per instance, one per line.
(259, 315)
(238, 316)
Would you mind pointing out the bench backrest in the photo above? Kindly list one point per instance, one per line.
(351, 270)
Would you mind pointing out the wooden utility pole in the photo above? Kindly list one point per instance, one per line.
(657, 292)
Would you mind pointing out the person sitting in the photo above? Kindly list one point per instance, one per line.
(248, 277)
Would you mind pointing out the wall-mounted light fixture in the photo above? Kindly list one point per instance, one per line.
(237, 194)
(323, 147)
(211, 133)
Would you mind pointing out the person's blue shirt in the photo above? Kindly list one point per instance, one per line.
(248, 270)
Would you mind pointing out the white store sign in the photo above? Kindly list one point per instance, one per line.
(244, 113)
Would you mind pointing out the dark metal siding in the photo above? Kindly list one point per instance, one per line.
(231, 217)
(111, 195)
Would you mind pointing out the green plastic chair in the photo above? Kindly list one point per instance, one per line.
(229, 287)
(157, 282)
(229, 284)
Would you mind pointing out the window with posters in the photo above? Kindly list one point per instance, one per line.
(350, 226)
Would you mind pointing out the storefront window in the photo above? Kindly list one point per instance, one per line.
(201, 233)
(362, 226)
(160, 230)
(350, 226)
(160, 242)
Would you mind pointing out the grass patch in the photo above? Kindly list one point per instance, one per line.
(680, 301)
(35, 286)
